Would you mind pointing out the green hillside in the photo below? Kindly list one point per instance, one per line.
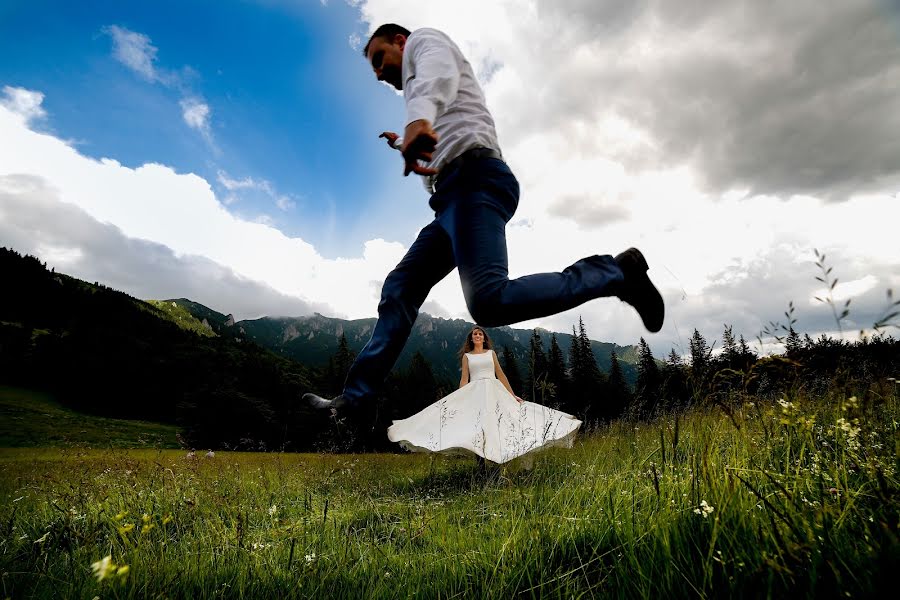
(35, 419)
(101, 352)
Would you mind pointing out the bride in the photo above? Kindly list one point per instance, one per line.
(484, 416)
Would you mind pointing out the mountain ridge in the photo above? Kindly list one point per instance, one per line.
(312, 339)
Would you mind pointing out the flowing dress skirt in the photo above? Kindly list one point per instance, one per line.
(483, 418)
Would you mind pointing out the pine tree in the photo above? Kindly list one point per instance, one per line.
(729, 348)
(700, 362)
(792, 344)
(556, 372)
(510, 367)
(746, 356)
(537, 368)
(647, 389)
(619, 397)
(674, 386)
(339, 365)
(587, 380)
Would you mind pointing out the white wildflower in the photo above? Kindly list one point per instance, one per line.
(273, 510)
(103, 568)
(705, 509)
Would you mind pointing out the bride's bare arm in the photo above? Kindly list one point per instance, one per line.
(465, 371)
(498, 371)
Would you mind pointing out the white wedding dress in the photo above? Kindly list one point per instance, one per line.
(484, 418)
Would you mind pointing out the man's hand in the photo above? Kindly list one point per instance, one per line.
(419, 141)
(391, 138)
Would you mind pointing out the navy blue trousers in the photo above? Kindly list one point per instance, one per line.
(472, 205)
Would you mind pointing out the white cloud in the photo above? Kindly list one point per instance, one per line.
(34, 220)
(284, 203)
(25, 103)
(182, 213)
(249, 184)
(135, 51)
(196, 114)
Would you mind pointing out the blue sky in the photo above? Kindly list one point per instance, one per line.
(291, 102)
(228, 151)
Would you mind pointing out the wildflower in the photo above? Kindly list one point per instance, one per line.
(705, 509)
(126, 528)
(310, 558)
(146, 528)
(167, 519)
(146, 518)
(785, 404)
(273, 510)
(103, 568)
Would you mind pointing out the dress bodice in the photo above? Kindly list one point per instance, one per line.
(481, 366)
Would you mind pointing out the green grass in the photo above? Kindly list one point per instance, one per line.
(182, 317)
(30, 419)
(802, 501)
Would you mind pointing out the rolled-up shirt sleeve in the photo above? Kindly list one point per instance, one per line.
(432, 80)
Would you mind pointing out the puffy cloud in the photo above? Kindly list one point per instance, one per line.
(33, 220)
(25, 103)
(774, 98)
(182, 213)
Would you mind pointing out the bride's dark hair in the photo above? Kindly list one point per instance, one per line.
(469, 345)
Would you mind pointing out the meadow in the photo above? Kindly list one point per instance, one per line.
(794, 495)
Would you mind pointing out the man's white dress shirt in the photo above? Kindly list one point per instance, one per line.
(439, 86)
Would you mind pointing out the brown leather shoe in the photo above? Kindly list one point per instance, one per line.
(638, 291)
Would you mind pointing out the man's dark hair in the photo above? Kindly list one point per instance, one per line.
(387, 31)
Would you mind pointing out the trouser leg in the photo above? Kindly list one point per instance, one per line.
(428, 260)
(476, 211)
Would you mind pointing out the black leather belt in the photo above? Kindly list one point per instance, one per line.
(461, 160)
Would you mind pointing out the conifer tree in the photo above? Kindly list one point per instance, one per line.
(587, 381)
(619, 396)
(792, 344)
(746, 356)
(537, 368)
(510, 367)
(729, 348)
(556, 372)
(343, 359)
(647, 389)
(674, 387)
(700, 362)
